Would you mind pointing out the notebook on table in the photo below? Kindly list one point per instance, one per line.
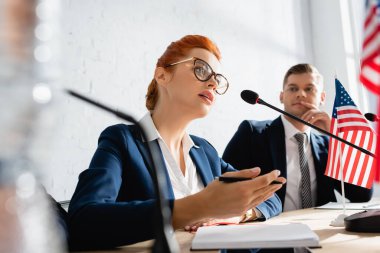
(254, 235)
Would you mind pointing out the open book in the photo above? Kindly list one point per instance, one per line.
(249, 236)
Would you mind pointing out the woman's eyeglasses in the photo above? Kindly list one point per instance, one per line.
(203, 72)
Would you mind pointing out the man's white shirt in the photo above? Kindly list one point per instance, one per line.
(293, 180)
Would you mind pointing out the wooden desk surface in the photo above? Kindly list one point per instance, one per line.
(332, 239)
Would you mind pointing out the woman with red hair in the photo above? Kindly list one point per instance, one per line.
(115, 203)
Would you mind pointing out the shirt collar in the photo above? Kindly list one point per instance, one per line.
(150, 129)
(290, 130)
(152, 133)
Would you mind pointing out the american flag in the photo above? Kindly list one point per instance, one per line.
(348, 123)
(370, 65)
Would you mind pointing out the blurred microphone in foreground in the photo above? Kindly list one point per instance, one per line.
(164, 240)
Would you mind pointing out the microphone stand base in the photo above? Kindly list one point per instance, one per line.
(339, 221)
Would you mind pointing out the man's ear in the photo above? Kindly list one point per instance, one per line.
(162, 76)
(323, 98)
(281, 97)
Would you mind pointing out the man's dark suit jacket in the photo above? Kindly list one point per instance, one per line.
(114, 203)
(262, 144)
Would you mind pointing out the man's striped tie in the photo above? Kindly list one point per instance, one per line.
(305, 189)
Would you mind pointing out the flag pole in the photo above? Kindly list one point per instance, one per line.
(341, 179)
(339, 221)
(341, 172)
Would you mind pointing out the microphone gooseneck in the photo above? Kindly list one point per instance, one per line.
(164, 241)
(248, 96)
(371, 117)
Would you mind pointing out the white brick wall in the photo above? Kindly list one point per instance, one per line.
(110, 48)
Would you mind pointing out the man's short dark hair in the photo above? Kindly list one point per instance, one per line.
(301, 69)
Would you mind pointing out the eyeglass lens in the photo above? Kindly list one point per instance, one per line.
(204, 72)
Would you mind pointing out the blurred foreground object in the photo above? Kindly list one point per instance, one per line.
(370, 61)
(28, 71)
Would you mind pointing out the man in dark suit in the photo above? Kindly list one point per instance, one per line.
(275, 145)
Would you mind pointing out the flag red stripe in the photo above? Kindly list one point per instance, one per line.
(339, 155)
(348, 111)
(374, 66)
(372, 147)
(372, 175)
(365, 164)
(335, 162)
(345, 120)
(373, 87)
(370, 14)
(357, 158)
(354, 128)
(332, 151)
(347, 159)
(361, 175)
(371, 36)
(370, 57)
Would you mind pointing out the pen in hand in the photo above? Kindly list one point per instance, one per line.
(238, 179)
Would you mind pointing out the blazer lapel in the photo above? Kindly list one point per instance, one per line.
(145, 154)
(316, 151)
(202, 165)
(143, 148)
(277, 145)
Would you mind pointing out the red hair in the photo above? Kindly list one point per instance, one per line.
(175, 52)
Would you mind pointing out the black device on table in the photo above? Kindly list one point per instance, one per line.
(366, 221)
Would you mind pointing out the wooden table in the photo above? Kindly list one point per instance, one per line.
(332, 239)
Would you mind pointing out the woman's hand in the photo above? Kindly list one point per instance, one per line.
(194, 227)
(213, 222)
(220, 200)
(223, 200)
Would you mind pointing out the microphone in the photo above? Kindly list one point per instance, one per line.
(371, 117)
(252, 97)
(164, 241)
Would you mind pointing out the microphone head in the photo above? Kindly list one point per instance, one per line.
(371, 117)
(250, 97)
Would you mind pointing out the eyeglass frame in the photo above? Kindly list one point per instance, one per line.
(213, 73)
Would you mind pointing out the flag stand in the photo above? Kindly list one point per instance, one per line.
(339, 221)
